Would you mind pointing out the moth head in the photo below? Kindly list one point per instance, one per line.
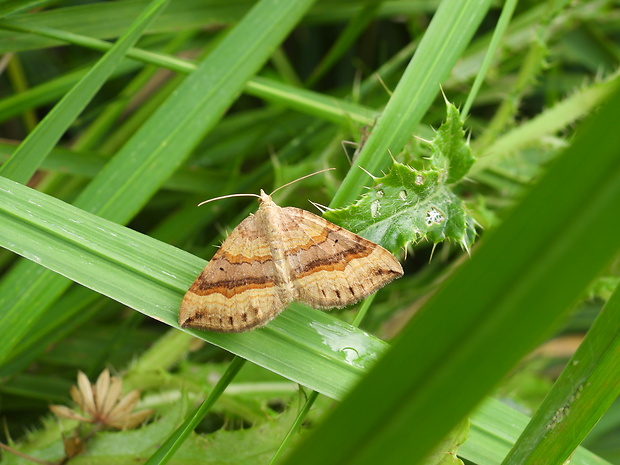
(263, 198)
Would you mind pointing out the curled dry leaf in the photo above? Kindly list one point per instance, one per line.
(101, 403)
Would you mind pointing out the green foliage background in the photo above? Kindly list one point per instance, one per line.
(118, 118)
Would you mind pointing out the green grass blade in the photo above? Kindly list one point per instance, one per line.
(553, 120)
(159, 59)
(587, 387)
(519, 283)
(321, 106)
(301, 417)
(495, 428)
(15, 73)
(98, 131)
(452, 27)
(502, 24)
(9, 7)
(37, 145)
(107, 20)
(70, 311)
(529, 70)
(50, 91)
(166, 451)
(354, 28)
(89, 164)
(325, 107)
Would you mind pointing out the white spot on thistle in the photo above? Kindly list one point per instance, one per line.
(402, 195)
(419, 180)
(375, 206)
(434, 216)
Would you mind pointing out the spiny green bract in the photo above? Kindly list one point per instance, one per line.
(450, 151)
(408, 205)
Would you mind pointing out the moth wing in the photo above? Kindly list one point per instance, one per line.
(333, 267)
(236, 291)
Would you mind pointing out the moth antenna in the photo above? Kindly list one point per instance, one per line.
(227, 197)
(299, 179)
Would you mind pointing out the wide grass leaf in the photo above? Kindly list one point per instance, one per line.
(150, 276)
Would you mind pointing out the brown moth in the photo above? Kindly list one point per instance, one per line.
(278, 256)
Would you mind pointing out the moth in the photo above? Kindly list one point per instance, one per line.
(278, 256)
